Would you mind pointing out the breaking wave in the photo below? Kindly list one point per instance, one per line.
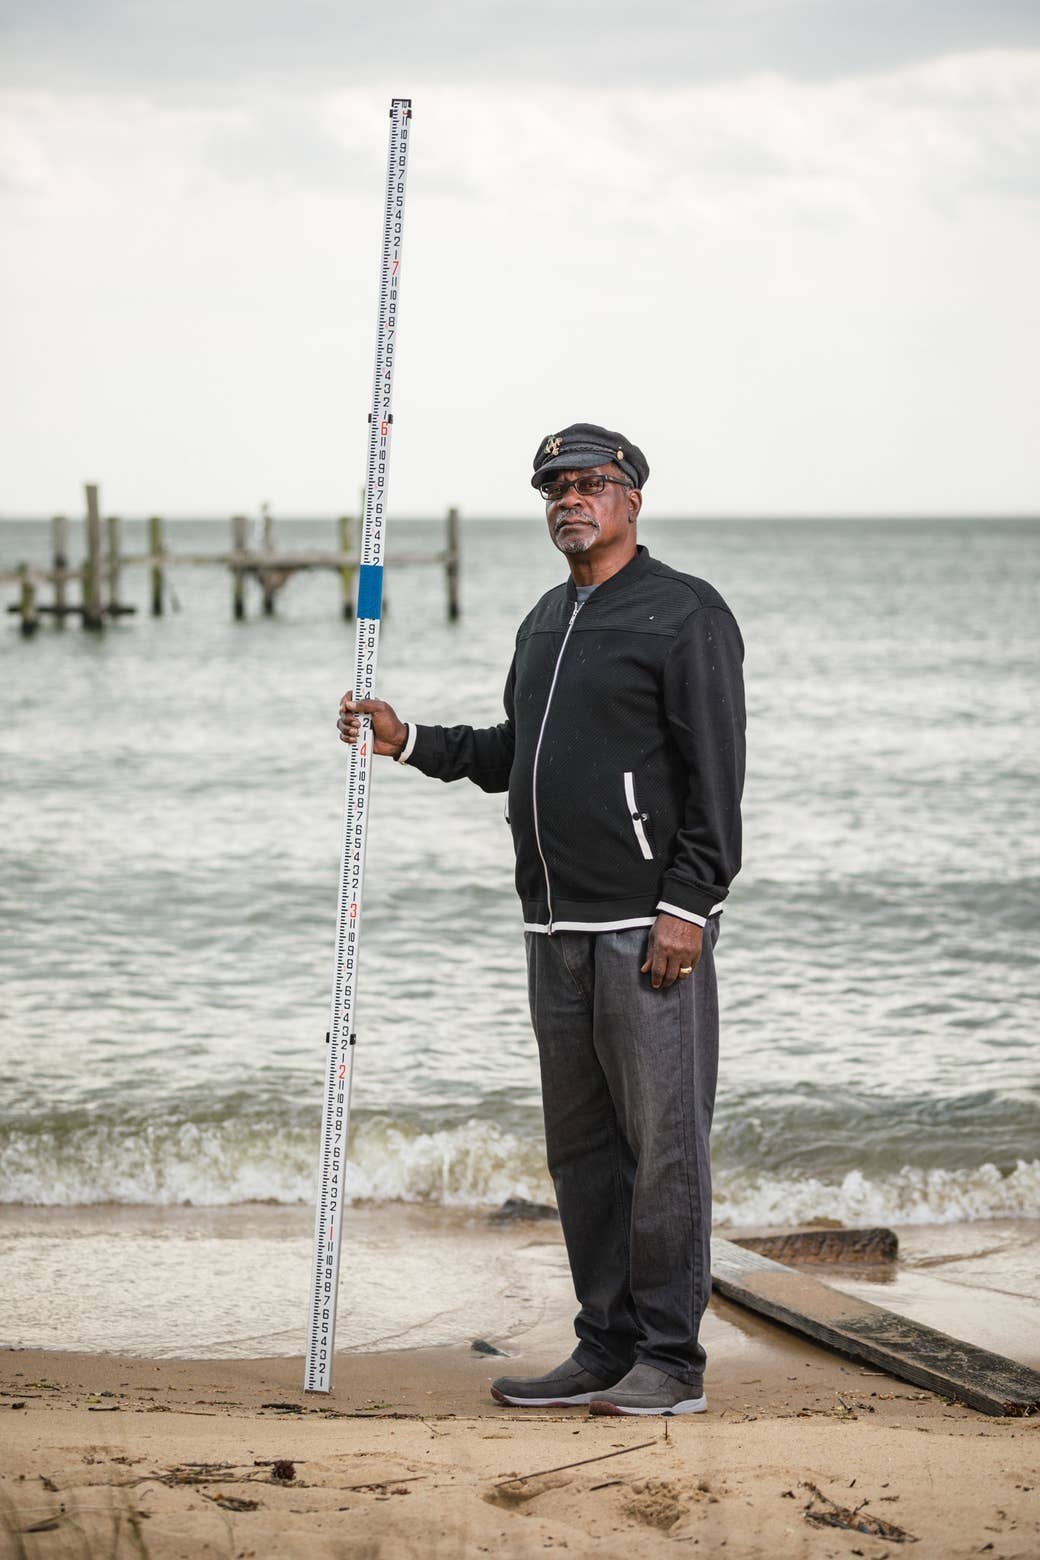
(212, 1164)
(908, 1196)
(471, 1164)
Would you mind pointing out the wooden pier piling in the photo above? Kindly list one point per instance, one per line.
(114, 527)
(30, 620)
(269, 581)
(239, 548)
(347, 571)
(60, 564)
(92, 614)
(451, 564)
(157, 579)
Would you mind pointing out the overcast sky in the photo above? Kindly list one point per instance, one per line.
(790, 247)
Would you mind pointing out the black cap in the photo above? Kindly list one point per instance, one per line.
(586, 444)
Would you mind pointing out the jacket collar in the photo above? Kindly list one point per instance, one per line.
(634, 569)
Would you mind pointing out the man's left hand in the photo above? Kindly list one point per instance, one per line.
(672, 951)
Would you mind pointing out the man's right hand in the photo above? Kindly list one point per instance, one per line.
(389, 732)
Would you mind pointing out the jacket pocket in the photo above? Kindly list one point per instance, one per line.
(638, 819)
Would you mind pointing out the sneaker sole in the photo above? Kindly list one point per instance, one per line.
(580, 1401)
(689, 1406)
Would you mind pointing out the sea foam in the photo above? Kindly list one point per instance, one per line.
(477, 1163)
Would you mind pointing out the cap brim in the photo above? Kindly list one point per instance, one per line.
(574, 460)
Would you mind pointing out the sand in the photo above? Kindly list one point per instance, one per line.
(409, 1455)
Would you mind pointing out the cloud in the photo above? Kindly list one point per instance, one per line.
(811, 295)
(204, 48)
(285, 143)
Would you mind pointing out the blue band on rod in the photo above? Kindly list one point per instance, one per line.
(370, 590)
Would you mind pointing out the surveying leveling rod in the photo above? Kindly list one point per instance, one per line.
(340, 1059)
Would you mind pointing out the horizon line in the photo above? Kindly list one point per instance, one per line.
(331, 517)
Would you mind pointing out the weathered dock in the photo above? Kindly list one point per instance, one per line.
(97, 579)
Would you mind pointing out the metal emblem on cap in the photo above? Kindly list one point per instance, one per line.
(553, 445)
(620, 453)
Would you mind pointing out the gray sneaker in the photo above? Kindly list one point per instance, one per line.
(647, 1390)
(567, 1385)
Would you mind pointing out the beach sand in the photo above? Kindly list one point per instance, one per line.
(409, 1455)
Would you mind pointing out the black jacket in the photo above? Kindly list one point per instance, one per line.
(622, 751)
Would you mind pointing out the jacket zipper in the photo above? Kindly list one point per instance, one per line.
(534, 767)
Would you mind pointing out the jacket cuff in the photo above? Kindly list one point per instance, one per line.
(684, 915)
(409, 743)
(679, 897)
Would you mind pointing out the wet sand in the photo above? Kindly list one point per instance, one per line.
(409, 1455)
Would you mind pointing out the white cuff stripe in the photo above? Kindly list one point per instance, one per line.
(685, 915)
(406, 752)
(589, 926)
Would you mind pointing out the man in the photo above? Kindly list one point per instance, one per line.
(623, 754)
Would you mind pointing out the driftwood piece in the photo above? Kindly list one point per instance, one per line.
(821, 1511)
(903, 1348)
(871, 1245)
(518, 1208)
(539, 1473)
(232, 1502)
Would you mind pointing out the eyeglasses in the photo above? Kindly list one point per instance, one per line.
(587, 487)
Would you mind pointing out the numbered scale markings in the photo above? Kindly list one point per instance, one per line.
(340, 1059)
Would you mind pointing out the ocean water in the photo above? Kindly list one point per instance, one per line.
(172, 794)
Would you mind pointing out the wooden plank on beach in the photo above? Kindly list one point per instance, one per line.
(895, 1344)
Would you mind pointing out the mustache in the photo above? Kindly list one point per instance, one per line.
(571, 519)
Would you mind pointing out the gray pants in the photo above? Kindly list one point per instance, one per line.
(628, 1090)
